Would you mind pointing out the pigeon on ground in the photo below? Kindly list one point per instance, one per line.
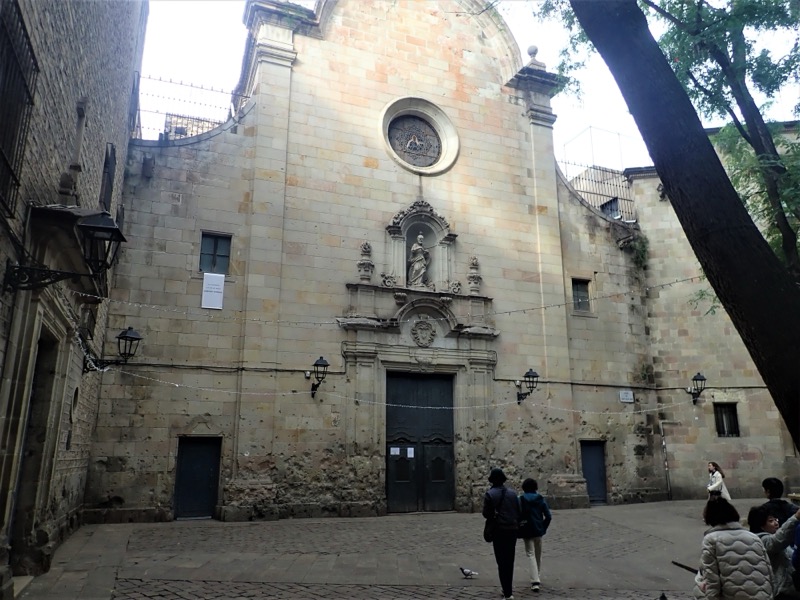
(468, 573)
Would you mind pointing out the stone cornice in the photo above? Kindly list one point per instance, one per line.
(541, 116)
(532, 78)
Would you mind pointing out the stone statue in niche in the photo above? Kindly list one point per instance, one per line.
(418, 263)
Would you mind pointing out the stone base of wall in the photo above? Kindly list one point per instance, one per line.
(566, 490)
(98, 516)
(299, 511)
(638, 495)
(35, 558)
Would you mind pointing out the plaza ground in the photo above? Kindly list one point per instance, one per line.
(604, 552)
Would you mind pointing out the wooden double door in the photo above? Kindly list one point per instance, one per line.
(420, 472)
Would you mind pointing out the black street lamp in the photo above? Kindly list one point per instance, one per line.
(320, 371)
(698, 385)
(127, 345)
(100, 238)
(531, 379)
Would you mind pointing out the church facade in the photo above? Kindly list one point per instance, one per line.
(373, 284)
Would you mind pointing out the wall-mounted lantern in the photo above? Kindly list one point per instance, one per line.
(698, 385)
(320, 371)
(127, 345)
(531, 380)
(100, 238)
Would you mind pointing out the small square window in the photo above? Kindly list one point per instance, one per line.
(611, 208)
(215, 253)
(726, 419)
(580, 295)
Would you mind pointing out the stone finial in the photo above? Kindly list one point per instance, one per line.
(474, 277)
(365, 265)
(532, 52)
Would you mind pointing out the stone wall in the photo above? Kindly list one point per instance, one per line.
(301, 180)
(687, 336)
(84, 50)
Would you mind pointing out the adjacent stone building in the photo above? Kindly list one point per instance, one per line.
(68, 72)
(385, 201)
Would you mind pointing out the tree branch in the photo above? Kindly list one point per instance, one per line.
(718, 100)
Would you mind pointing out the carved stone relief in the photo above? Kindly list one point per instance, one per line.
(423, 332)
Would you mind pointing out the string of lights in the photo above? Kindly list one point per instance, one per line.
(359, 401)
(210, 315)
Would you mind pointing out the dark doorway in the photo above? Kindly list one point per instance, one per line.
(36, 461)
(197, 477)
(419, 452)
(593, 462)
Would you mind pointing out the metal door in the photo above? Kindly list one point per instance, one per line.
(419, 433)
(593, 462)
(197, 477)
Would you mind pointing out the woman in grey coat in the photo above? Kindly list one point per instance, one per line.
(734, 564)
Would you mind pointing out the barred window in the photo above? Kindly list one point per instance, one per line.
(18, 72)
(726, 419)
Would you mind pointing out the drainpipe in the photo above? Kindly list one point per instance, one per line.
(664, 452)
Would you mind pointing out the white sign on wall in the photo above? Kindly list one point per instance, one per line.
(626, 396)
(213, 290)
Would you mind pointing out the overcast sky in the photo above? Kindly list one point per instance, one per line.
(202, 42)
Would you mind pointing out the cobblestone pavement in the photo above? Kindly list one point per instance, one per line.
(608, 553)
(138, 589)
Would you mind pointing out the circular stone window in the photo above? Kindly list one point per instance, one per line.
(419, 136)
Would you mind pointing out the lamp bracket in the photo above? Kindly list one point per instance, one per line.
(522, 395)
(18, 277)
(90, 363)
(315, 387)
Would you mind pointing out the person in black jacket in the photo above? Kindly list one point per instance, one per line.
(501, 503)
(775, 505)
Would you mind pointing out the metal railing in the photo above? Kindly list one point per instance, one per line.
(606, 189)
(170, 110)
(18, 73)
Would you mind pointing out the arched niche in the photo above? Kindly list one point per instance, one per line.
(420, 219)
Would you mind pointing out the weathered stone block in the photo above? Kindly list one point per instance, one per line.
(567, 491)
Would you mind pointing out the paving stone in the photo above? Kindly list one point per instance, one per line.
(608, 553)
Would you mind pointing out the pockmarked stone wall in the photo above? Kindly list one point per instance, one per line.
(689, 333)
(322, 216)
(410, 229)
(609, 348)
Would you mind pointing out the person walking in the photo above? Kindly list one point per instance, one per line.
(716, 482)
(734, 564)
(536, 519)
(777, 539)
(501, 504)
(777, 506)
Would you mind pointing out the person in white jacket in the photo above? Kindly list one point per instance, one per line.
(716, 482)
(734, 564)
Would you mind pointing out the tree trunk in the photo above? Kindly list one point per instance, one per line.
(757, 292)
